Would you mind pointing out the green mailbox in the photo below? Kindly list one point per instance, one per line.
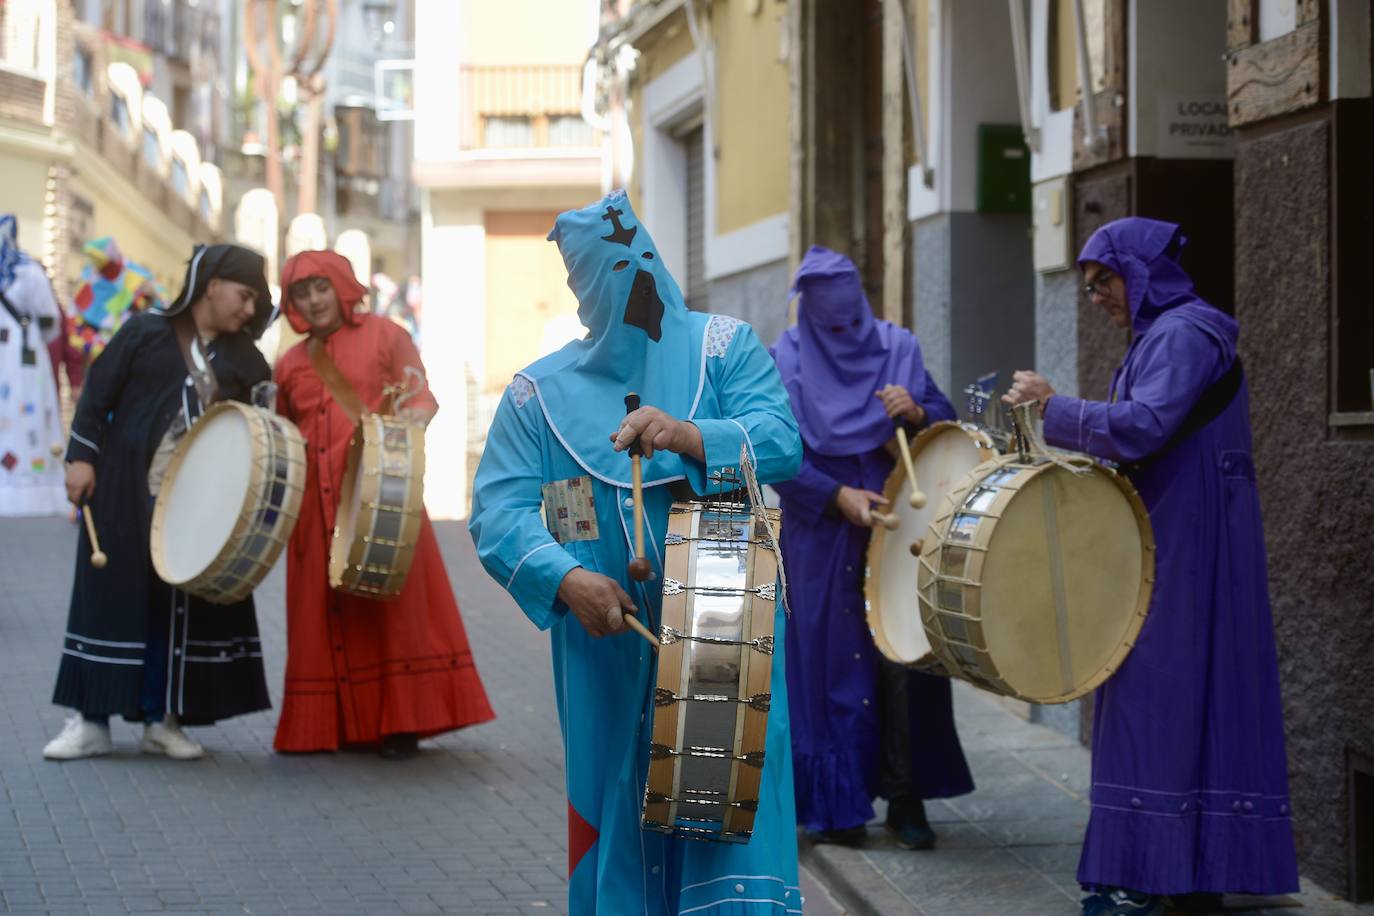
(1003, 169)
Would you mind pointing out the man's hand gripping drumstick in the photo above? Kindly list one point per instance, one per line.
(639, 568)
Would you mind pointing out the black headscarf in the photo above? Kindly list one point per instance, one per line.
(227, 262)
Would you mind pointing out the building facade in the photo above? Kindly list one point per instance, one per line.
(89, 150)
(501, 148)
(704, 161)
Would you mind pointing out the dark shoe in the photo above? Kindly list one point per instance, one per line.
(850, 836)
(1197, 904)
(401, 746)
(906, 817)
(1122, 903)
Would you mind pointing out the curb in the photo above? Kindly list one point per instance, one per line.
(855, 882)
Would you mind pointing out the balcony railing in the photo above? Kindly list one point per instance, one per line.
(505, 107)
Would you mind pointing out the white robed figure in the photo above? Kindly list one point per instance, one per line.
(709, 388)
(31, 437)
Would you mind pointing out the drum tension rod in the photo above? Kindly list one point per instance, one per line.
(654, 798)
(674, 587)
(663, 752)
(672, 540)
(667, 636)
(759, 701)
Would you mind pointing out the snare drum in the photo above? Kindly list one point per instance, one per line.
(942, 454)
(228, 502)
(1035, 578)
(715, 664)
(378, 521)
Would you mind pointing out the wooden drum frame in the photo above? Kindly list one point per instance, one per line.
(377, 524)
(1036, 576)
(265, 516)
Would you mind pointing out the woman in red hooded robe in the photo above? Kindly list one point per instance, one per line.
(360, 671)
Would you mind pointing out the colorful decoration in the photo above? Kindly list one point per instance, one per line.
(112, 289)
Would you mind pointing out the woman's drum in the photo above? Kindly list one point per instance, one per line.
(715, 661)
(942, 455)
(1035, 577)
(380, 506)
(228, 502)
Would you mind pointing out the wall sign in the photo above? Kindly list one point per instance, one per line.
(1193, 127)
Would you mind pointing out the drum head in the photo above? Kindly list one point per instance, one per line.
(943, 455)
(204, 497)
(1065, 583)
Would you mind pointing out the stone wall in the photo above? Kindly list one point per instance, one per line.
(1317, 491)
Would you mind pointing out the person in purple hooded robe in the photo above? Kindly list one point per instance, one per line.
(1190, 779)
(861, 726)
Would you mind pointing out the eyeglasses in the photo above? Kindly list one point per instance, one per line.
(1099, 285)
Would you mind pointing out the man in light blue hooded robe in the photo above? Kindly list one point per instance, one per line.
(709, 390)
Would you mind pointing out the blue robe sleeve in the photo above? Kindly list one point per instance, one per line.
(809, 493)
(936, 405)
(514, 546)
(755, 410)
(1173, 368)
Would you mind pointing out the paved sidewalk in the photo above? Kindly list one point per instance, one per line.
(1011, 846)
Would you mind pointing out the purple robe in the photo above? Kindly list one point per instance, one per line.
(832, 662)
(1190, 779)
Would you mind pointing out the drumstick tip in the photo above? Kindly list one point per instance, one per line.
(917, 500)
(99, 560)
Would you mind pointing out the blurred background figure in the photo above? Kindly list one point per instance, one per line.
(30, 415)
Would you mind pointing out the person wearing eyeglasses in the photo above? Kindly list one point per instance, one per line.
(1190, 779)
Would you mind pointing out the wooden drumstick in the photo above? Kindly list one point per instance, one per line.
(917, 499)
(888, 520)
(639, 568)
(98, 558)
(633, 623)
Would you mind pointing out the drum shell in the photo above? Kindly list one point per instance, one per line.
(1046, 604)
(673, 719)
(887, 547)
(377, 524)
(267, 515)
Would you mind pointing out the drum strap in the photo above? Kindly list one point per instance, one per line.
(1214, 400)
(344, 394)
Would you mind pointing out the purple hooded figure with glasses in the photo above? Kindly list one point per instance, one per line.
(861, 726)
(1190, 779)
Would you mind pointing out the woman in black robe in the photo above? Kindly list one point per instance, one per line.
(135, 646)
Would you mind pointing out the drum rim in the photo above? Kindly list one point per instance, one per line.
(369, 437)
(892, 491)
(929, 561)
(290, 508)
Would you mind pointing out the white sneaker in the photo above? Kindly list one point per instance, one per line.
(166, 737)
(78, 739)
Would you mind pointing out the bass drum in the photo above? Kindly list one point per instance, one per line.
(1036, 576)
(942, 455)
(228, 502)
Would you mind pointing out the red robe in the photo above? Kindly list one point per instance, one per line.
(359, 669)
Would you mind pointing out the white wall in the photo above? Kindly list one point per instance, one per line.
(437, 120)
(972, 81)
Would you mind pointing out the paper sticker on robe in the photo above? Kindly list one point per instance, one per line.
(570, 510)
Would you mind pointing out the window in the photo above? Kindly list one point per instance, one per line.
(570, 130)
(119, 113)
(152, 149)
(181, 179)
(82, 72)
(509, 131)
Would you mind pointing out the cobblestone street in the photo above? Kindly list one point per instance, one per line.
(475, 825)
